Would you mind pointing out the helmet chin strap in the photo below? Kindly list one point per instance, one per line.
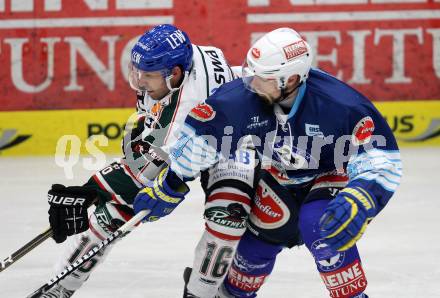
(168, 83)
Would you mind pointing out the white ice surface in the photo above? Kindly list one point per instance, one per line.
(400, 250)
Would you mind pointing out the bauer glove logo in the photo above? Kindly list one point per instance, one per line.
(65, 201)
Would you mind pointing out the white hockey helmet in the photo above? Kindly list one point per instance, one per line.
(278, 55)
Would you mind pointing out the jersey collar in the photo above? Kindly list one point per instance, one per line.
(298, 100)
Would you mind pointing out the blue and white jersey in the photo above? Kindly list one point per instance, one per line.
(330, 127)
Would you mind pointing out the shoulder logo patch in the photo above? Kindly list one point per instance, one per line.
(363, 131)
(203, 112)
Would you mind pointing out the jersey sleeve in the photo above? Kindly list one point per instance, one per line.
(376, 169)
(199, 143)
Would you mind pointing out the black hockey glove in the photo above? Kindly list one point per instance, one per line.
(68, 210)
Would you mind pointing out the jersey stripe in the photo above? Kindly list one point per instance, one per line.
(174, 115)
(206, 71)
(105, 186)
(221, 235)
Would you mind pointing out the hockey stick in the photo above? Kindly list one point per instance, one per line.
(14, 257)
(24, 250)
(119, 233)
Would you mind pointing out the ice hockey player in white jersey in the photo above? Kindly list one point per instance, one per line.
(171, 76)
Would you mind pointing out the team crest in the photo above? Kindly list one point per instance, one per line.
(363, 131)
(326, 258)
(203, 112)
(156, 109)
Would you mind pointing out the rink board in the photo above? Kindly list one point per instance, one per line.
(40, 132)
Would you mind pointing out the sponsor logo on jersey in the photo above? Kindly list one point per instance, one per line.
(9, 139)
(240, 166)
(203, 112)
(345, 282)
(363, 131)
(313, 130)
(326, 259)
(219, 68)
(256, 53)
(245, 282)
(268, 211)
(232, 216)
(255, 122)
(295, 49)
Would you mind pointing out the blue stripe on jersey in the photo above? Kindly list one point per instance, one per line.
(298, 100)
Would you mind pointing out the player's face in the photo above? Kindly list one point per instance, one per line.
(152, 82)
(267, 89)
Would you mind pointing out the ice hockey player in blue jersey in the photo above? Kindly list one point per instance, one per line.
(328, 164)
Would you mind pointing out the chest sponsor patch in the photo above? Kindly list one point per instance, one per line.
(363, 131)
(203, 112)
(313, 130)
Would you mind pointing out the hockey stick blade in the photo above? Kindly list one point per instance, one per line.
(15, 256)
(119, 233)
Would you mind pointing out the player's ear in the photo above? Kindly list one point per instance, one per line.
(176, 72)
(177, 76)
(293, 80)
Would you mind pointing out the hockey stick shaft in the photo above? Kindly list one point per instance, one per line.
(119, 233)
(15, 256)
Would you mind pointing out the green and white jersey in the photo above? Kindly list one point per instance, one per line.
(164, 118)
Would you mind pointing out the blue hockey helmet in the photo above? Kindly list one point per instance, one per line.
(162, 48)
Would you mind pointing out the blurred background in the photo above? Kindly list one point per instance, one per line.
(63, 68)
(64, 63)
